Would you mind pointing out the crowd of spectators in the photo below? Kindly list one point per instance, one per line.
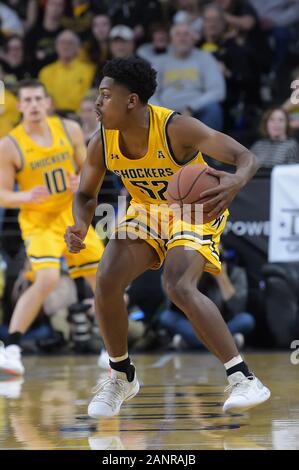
(224, 62)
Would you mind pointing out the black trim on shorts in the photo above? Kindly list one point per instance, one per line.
(204, 238)
(188, 232)
(78, 266)
(154, 235)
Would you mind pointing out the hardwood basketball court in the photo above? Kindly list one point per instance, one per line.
(179, 406)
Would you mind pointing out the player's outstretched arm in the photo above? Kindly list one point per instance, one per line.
(77, 139)
(10, 163)
(85, 200)
(188, 135)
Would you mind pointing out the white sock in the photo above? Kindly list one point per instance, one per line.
(233, 362)
(119, 358)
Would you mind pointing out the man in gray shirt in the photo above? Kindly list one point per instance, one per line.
(190, 80)
(276, 18)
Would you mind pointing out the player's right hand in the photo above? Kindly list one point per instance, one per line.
(38, 194)
(74, 238)
(74, 181)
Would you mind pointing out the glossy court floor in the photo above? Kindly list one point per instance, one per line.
(179, 406)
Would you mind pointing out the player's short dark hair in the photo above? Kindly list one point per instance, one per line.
(135, 74)
(31, 83)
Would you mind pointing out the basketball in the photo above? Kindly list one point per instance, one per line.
(186, 186)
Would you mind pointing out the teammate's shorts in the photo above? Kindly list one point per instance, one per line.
(155, 226)
(43, 235)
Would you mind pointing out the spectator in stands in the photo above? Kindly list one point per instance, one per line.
(190, 80)
(10, 23)
(78, 17)
(229, 290)
(291, 106)
(98, 45)
(97, 48)
(277, 147)
(158, 45)
(237, 61)
(68, 79)
(239, 15)
(215, 29)
(276, 17)
(41, 40)
(27, 10)
(88, 116)
(122, 44)
(13, 62)
(9, 114)
(242, 20)
(136, 14)
(190, 13)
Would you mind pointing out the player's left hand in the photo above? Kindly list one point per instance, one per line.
(74, 181)
(222, 195)
(74, 238)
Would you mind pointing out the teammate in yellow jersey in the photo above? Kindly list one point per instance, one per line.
(44, 155)
(145, 145)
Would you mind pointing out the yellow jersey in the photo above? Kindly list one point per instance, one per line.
(146, 178)
(46, 166)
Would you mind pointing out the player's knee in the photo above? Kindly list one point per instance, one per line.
(177, 287)
(47, 280)
(108, 283)
(180, 293)
(103, 285)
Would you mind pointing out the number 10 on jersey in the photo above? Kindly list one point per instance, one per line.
(56, 181)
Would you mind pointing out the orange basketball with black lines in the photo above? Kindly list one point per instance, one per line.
(186, 186)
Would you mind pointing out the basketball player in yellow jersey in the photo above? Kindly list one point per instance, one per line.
(145, 145)
(43, 154)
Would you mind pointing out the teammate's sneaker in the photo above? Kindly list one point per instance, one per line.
(106, 443)
(11, 388)
(245, 393)
(111, 393)
(10, 360)
(103, 360)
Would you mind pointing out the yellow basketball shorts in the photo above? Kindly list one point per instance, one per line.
(43, 235)
(163, 232)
